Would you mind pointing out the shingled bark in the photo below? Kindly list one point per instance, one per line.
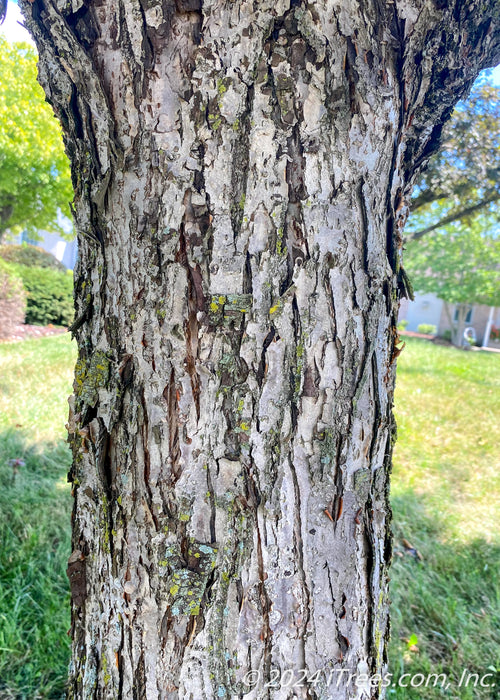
(241, 171)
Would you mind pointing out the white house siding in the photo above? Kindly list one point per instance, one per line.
(64, 251)
(426, 309)
(429, 309)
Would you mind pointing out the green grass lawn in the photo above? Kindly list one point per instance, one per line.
(445, 497)
(35, 381)
(445, 612)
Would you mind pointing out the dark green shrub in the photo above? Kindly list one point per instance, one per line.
(30, 255)
(12, 300)
(50, 295)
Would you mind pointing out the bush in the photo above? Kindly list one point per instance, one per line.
(30, 255)
(495, 333)
(427, 329)
(447, 335)
(402, 325)
(12, 300)
(50, 295)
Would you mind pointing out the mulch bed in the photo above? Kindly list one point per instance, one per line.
(25, 331)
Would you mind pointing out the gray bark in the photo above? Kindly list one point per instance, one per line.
(241, 171)
(457, 327)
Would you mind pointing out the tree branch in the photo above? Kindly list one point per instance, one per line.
(455, 216)
(426, 197)
(5, 214)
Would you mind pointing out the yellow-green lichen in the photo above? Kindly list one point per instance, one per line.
(224, 307)
(280, 243)
(106, 677)
(104, 524)
(186, 587)
(215, 121)
(221, 87)
(90, 376)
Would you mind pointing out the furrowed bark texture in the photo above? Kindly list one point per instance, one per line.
(240, 172)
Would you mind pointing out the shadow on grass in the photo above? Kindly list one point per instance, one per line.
(449, 601)
(35, 508)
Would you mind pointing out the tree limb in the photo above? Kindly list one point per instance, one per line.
(455, 216)
(427, 197)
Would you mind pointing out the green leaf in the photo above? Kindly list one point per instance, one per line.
(462, 180)
(413, 641)
(35, 182)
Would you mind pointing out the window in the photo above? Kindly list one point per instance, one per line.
(468, 315)
(26, 239)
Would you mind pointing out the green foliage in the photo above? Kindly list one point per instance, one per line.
(454, 247)
(12, 299)
(413, 641)
(402, 325)
(50, 295)
(30, 255)
(462, 180)
(35, 183)
(427, 328)
(460, 265)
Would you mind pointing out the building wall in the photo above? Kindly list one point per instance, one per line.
(65, 251)
(478, 321)
(427, 308)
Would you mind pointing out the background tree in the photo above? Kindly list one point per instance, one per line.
(35, 184)
(240, 174)
(462, 180)
(461, 265)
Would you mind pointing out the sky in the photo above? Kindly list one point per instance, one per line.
(11, 28)
(13, 31)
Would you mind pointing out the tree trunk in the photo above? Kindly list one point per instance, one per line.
(459, 326)
(5, 214)
(240, 176)
(455, 335)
